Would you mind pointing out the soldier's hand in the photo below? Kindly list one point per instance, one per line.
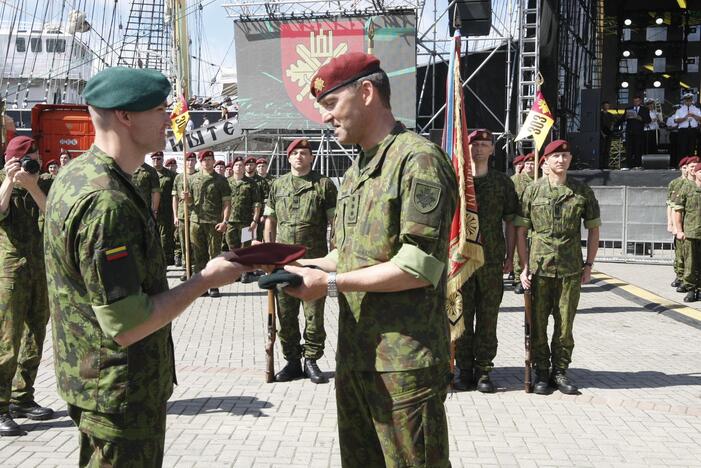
(12, 167)
(221, 227)
(314, 283)
(223, 270)
(508, 265)
(26, 180)
(176, 222)
(680, 235)
(526, 279)
(252, 226)
(586, 274)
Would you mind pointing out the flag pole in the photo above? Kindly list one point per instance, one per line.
(536, 157)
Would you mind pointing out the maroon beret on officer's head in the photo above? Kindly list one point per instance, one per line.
(541, 161)
(517, 160)
(203, 154)
(237, 159)
(170, 161)
(342, 70)
(229, 165)
(19, 146)
(556, 146)
(683, 161)
(250, 159)
(270, 253)
(480, 134)
(220, 163)
(157, 154)
(50, 162)
(298, 143)
(692, 159)
(190, 155)
(261, 161)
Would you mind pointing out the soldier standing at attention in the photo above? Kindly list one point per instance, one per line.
(229, 170)
(482, 293)
(672, 190)
(164, 216)
(253, 178)
(219, 167)
(522, 180)
(265, 181)
(178, 194)
(518, 165)
(211, 200)
(553, 208)
(301, 205)
(24, 308)
(64, 158)
(110, 304)
(244, 209)
(145, 179)
(687, 224)
(394, 212)
(52, 168)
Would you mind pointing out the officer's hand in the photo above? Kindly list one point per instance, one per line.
(508, 265)
(26, 180)
(221, 227)
(680, 235)
(223, 270)
(526, 279)
(586, 274)
(12, 167)
(314, 283)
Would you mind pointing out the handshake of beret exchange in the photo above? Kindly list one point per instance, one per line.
(272, 254)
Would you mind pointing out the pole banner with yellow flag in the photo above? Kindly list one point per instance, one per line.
(538, 122)
(179, 117)
(465, 254)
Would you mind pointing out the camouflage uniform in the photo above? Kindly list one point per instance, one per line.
(554, 215)
(164, 217)
(178, 193)
(104, 260)
(145, 179)
(302, 207)
(396, 204)
(210, 192)
(688, 200)
(243, 201)
(255, 181)
(521, 182)
(24, 308)
(483, 291)
(672, 189)
(264, 185)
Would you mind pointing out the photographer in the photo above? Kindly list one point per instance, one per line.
(24, 310)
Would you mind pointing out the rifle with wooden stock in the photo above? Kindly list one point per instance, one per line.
(527, 322)
(270, 343)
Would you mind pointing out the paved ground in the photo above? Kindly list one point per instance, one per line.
(638, 366)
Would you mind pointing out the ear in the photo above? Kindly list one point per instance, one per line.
(124, 117)
(367, 92)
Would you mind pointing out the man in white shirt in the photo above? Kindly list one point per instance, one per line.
(687, 118)
(651, 128)
(673, 130)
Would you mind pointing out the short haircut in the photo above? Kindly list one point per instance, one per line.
(380, 81)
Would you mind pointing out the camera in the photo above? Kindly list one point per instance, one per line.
(29, 165)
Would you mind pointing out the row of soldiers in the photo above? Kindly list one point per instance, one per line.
(684, 222)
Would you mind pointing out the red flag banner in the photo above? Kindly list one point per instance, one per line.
(465, 254)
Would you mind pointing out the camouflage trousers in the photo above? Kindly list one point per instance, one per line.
(260, 230)
(205, 242)
(233, 236)
(289, 335)
(679, 256)
(692, 264)
(24, 314)
(393, 419)
(105, 442)
(481, 298)
(558, 297)
(167, 232)
(181, 242)
(517, 268)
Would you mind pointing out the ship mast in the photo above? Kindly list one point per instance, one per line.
(181, 47)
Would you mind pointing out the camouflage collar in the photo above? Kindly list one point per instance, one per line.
(376, 155)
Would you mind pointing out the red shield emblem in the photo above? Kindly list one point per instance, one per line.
(307, 45)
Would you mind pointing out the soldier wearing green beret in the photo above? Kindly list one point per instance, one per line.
(164, 214)
(211, 204)
(393, 218)
(553, 208)
(482, 293)
(110, 304)
(24, 309)
(300, 207)
(179, 196)
(244, 209)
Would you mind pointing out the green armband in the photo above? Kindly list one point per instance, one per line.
(124, 314)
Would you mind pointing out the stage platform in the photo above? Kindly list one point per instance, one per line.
(632, 178)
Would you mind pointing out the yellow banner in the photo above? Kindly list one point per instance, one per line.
(538, 122)
(179, 118)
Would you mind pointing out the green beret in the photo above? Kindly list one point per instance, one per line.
(129, 89)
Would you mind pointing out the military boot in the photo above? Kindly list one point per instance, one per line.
(560, 381)
(31, 410)
(463, 379)
(178, 261)
(676, 283)
(541, 387)
(8, 426)
(484, 383)
(292, 371)
(691, 296)
(683, 288)
(214, 292)
(518, 289)
(311, 370)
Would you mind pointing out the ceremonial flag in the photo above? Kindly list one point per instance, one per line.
(465, 254)
(179, 118)
(538, 122)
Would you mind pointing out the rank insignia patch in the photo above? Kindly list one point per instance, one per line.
(426, 196)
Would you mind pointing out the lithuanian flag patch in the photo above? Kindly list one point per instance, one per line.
(116, 253)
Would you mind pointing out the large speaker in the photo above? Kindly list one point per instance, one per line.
(475, 17)
(591, 106)
(655, 161)
(585, 150)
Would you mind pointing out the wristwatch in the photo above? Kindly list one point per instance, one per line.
(589, 264)
(331, 289)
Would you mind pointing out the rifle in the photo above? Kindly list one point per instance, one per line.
(270, 344)
(528, 321)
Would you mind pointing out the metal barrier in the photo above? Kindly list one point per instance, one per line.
(634, 225)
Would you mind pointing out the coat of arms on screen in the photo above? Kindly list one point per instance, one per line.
(306, 46)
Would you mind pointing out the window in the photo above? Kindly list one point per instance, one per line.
(56, 45)
(20, 44)
(35, 44)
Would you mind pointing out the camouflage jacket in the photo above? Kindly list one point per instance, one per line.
(521, 182)
(264, 184)
(145, 179)
(255, 180)
(688, 199)
(243, 199)
(673, 188)
(395, 205)
(166, 178)
(209, 193)
(103, 253)
(554, 214)
(20, 228)
(496, 201)
(178, 193)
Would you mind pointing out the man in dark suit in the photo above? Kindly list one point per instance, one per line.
(635, 117)
(607, 123)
